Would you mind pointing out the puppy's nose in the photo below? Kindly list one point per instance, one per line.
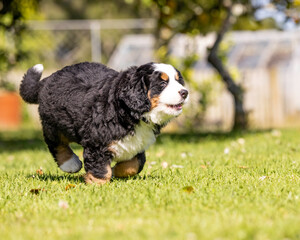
(183, 93)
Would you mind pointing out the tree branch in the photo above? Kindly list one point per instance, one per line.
(213, 58)
(240, 121)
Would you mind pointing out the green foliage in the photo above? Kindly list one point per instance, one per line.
(202, 17)
(12, 33)
(35, 47)
(190, 189)
(95, 9)
(12, 26)
(6, 85)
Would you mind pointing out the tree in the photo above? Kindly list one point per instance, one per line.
(219, 16)
(12, 27)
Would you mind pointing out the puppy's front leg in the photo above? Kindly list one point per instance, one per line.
(97, 166)
(131, 167)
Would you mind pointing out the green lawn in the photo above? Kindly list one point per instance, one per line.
(219, 186)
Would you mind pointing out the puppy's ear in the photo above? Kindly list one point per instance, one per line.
(133, 94)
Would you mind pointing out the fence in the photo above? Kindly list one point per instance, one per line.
(268, 62)
(58, 43)
(65, 42)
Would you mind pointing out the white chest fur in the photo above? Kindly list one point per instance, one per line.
(126, 148)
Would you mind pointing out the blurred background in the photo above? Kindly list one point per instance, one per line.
(240, 59)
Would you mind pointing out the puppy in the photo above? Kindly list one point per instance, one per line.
(114, 116)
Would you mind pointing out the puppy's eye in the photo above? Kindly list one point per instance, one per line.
(177, 76)
(164, 76)
(163, 83)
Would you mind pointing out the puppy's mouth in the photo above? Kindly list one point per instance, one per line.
(176, 107)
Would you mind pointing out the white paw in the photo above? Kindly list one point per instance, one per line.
(72, 165)
(38, 68)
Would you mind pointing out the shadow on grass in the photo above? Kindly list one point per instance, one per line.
(28, 139)
(12, 141)
(79, 178)
(199, 137)
(138, 177)
(33, 139)
(76, 178)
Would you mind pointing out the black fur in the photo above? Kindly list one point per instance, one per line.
(92, 105)
(29, 88)
(141, 159)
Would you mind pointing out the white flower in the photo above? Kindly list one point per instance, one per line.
(276, 133)
(241, 141)
(160, 153)
(63, 204)
(226, 150)
(164, 164)
(183, 155)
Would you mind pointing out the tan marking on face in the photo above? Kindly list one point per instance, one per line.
(126, 168)
(164, 76)
(63, 154)
(177, 76)
(89, 178)
(153, 100)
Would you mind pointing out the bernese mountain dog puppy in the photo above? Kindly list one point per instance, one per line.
(114, 116)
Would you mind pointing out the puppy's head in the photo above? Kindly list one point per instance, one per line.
(166, 93)
(157, 91)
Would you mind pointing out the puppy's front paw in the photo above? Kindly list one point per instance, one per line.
(89, 178)
(126, 168)
(72, 165)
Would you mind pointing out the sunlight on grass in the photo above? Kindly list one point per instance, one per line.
(217, 186)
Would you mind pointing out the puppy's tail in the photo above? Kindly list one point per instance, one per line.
(29, 88)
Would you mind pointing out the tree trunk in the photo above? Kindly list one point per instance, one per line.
(240, 118)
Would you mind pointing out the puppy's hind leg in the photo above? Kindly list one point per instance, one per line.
(63, 154)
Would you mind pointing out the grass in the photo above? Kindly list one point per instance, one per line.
(218, 186)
